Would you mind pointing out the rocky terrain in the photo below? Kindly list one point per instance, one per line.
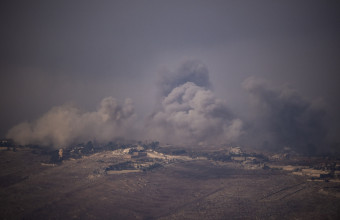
(140, 182)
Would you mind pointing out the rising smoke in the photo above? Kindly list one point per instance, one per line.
(189, 111)
(189, 71)
(64, 125)
(283, 118)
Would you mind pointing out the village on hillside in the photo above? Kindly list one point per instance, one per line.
(141, 156)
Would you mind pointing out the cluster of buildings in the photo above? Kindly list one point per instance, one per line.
(7, 144)
(328, 170)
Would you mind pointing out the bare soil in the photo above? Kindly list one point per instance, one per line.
(188, 189)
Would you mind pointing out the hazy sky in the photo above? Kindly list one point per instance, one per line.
(57, 52)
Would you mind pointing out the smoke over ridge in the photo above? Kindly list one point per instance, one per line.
(192, 114)
(66, 124)
(282, 117)
(188, 112)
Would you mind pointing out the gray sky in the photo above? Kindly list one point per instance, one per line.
(56, 52)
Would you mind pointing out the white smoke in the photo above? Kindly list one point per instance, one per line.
(189, 111)
(64, 125)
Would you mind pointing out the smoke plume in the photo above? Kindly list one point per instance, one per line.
(282, 117)
(189, 111)
(189, 71)
(64, 125)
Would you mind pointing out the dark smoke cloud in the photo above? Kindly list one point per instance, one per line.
(190, 112)
(189, 71)
(282, 117)
(64, 125)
